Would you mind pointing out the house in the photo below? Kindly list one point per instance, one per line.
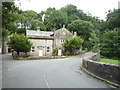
(59, 36)
(44, 42)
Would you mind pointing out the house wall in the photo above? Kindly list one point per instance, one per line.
(41, 44)
(59, 37)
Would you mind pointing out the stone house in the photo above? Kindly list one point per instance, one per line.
(59, 36)
(44, 42)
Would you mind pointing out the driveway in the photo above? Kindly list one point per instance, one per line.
(54, 73)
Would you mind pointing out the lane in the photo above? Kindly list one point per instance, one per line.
(57, 73)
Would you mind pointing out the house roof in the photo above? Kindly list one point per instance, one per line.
(62, 30)
(38, 33)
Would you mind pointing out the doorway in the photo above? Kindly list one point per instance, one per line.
(40, 52)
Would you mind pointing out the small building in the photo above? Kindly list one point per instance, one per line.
(59, 36)
(44, 42)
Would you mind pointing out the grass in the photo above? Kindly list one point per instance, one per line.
(110, 61)
(21, 59)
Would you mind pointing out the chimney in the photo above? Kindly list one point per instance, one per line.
(75, 33)
(38, 28)
(63, 26)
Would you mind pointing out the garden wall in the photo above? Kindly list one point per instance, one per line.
(106, 71)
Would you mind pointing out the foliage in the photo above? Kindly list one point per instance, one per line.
(110, 43)
(54, 19)
(73, 44)
(37, 24)
(20, 43)
(71, 11)
(83, 29)
(4, 35)
(9, 15)
(113, 19)
(55, 51)
(95, 41)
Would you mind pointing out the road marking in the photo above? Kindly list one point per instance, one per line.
(46, 82)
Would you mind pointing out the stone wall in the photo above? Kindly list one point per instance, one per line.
(106, 71)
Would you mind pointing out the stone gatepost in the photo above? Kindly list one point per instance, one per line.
(59, 52)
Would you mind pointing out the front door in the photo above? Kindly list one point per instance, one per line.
(40, 52)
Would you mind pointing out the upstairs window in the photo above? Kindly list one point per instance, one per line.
(48, 49)
(33, 49)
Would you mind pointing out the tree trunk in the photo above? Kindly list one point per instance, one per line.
(3, 46)
(18, 53)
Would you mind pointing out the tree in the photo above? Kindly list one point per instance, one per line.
(36, 23)
(110, 43)
(113, 19)
(54, 19)
(5, 34)
(9, 15)
(71, 11)
(20, 43)
(83, 29)
(95, 41)
(26, 18)
(73, 44)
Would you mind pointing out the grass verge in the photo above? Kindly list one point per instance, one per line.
(21, 59)
(110, 61)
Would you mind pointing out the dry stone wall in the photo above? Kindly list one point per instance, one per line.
(106, 71)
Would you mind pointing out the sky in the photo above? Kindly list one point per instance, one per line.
(95, 7)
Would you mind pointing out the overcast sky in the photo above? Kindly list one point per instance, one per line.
(95, 7)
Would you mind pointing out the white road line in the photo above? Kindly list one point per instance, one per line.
(46, 82)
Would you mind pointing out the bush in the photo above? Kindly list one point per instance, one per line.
(73, 44)
(55, 51)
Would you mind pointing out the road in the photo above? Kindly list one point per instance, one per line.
(53, 73)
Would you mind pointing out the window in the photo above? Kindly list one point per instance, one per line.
(62, 40)
(33, 49)
(48, 49)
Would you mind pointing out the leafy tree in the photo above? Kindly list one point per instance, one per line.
(26, 18)
(36, 23)
(5, 34)
(54, 19)
(95, 41)
(110, 43)
(83, 28)
(20, 43)
(73, 44)
(9, 15)
(113, 19)
(72, 13)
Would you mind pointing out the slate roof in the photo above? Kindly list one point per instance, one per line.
(38, 33)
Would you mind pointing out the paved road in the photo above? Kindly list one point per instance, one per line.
(56, 73)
